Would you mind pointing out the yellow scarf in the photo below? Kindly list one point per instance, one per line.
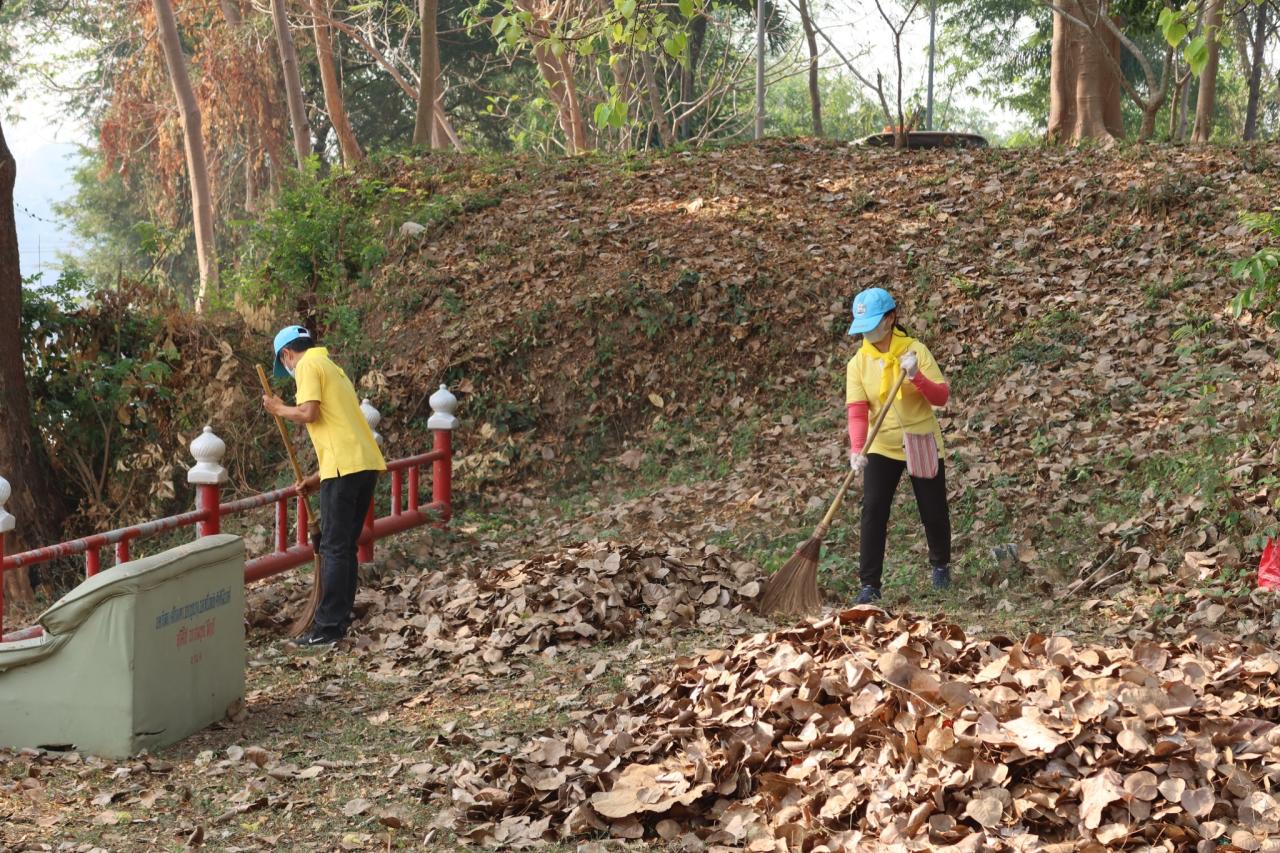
(898, 346)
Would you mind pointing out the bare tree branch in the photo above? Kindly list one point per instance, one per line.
(852, 68)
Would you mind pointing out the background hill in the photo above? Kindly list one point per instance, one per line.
(656, 344)
(680, 320)
(651, 351)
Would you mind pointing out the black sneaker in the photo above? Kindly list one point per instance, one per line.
(941, 577)
(316, 638)
(867, 595)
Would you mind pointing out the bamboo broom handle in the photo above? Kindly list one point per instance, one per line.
(284, 434)
(821, 529)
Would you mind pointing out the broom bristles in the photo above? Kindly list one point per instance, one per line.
(793, 591)
(308, 614)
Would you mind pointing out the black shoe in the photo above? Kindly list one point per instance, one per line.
(867, 595)
(316, 638)
(941, 577)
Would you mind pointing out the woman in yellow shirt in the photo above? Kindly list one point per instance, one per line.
(909, 439)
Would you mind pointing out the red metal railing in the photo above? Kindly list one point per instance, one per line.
(405, 511)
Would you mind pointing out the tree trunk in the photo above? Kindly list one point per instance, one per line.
(556, 85)
(815, 99)
(901, 131)
(760, 27)
(292, 82)
(1174, 105)
(439, 127)
(193, 140)
(231, 12)
(656, 106)
(38, 506)
(620, 67)
(1112, 94)
(1092, 85)
(1062, 76)
(1184, 110)
(1255, 73)
(1203, 129)
(697, 39)
(572, 103)
(686, 94)
(559, 79)
(1156, 100)
(1084, 91)
(250, 184)
(427, 66)
(254, 154)
(1148, 128)
(333, 101)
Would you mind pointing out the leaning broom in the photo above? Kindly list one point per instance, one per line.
(304, 619)
(793, 590)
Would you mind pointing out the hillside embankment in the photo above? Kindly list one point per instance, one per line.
(650, 353)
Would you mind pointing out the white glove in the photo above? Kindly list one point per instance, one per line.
(857, 461)
(910, 365)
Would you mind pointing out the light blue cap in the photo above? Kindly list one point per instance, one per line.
(869, 308)
(284, 337)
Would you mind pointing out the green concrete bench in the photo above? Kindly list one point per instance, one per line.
(137, 657)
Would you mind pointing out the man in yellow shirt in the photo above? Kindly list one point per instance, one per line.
(349, 461)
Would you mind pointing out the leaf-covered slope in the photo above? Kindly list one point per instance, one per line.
(1075, 299)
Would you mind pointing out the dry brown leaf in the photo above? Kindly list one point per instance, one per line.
(1198, 802)
(987, 811)
(1141, 785)
(1033, 736)
(357, 806)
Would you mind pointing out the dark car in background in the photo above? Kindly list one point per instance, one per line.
(927, 139)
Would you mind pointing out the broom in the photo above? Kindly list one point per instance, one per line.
(313, 522)
(793, 590)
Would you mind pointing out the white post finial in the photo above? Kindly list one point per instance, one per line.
(372, 417)
(208, 451)
(443, 405)
(7, 521)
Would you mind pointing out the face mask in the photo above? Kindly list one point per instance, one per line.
(288, 370)
(879, 333)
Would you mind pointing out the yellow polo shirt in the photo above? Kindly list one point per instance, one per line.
(912, 412)
(342, 438)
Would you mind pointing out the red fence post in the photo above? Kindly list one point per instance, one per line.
(208, 475)
(441, 424)
(7, 522)
(364, 553)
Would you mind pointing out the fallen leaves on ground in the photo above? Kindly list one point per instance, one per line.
(864, 729)
(480, 622)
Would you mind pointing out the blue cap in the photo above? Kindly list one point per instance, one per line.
(869, 308)
(284, 337)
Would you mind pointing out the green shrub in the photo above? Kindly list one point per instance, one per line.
(319, 238)
(1261, 270)
(98, 368)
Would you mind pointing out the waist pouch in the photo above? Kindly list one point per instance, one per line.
(921, 450)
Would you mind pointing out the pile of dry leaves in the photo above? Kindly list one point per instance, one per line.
(871, 732)
(464, 621)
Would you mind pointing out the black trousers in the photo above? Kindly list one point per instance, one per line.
(879, 483)
(344, 503)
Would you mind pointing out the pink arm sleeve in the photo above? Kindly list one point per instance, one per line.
(857, 426)
(936, 393)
